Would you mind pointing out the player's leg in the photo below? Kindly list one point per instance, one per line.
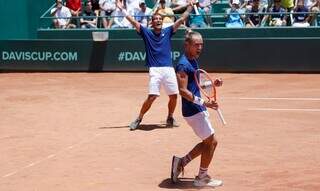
(203, 179)
(202, 128)
(178, 164)
(144, 109)
(208, 148)
(146, 105)
(209, 145)
(154, 92)
(170, 84)
(171, 122)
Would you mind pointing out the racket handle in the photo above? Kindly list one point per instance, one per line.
(221, 116)
(196, 9)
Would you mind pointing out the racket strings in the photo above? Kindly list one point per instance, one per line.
(206, 84)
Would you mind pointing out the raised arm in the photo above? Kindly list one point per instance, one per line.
(134, 23)
(183, 17)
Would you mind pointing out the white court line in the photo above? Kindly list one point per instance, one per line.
(274, 98)
(284, 109)
(51, 156)
(9, 174)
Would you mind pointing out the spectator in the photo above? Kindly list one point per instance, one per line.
(88, 12)
(95, 6)
(301, 19)
(255, 16)
(142, 15)
(315, 9)
(74, 6)
(107, 8)
(242, 3)
(234, 18)
(264, 4)
(75, 9)
(119, 20)
(276, 19)
(61, 13)
(179, 6)
(206, 5)
(288, 5)
(166, 13)
(197, 21)
(307, 3)
(132, 6)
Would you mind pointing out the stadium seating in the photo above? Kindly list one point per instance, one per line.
(218, 11)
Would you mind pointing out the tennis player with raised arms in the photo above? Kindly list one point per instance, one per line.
(194, 111)
(158, 58)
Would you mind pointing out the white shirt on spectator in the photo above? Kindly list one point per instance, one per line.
(63, 12)
(107, 5)
(120, 20)
(142, 17)
(308, 3)
(132, 5)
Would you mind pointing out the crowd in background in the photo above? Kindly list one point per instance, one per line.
(242, 13)
(257, 13)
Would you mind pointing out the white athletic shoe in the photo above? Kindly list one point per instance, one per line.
(176, 169)
(207, 181)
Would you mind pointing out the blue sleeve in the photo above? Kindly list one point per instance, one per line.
(181, 68)
(169, 30)
(182, 65)
(143, 31)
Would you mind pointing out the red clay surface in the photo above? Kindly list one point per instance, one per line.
(68, 132)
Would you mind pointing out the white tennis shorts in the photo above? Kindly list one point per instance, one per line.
(201, 124)
(164, 76)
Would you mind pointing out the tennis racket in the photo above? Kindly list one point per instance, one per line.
(208, 89)
(196, 9)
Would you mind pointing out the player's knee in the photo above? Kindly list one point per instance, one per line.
(211, 142)
(151, 98)
(214, 142)
(173, 97)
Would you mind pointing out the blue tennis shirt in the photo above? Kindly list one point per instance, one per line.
(189, 66)
(158, 46)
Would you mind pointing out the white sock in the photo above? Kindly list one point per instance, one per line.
(202, 172)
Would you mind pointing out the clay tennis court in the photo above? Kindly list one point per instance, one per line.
(68, 132)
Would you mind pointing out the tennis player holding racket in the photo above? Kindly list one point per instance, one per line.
(158, 57)
(195, 113)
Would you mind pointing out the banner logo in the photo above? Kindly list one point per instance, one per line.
(39, 56)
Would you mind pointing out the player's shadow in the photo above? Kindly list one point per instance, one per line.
(115, 127)
(184, 183)
(150, 127)
(142, 127)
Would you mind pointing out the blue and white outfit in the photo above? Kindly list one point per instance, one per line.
(196, 116)
(234, 19)
(158, 59)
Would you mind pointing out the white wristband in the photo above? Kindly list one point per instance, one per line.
(198, 100)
